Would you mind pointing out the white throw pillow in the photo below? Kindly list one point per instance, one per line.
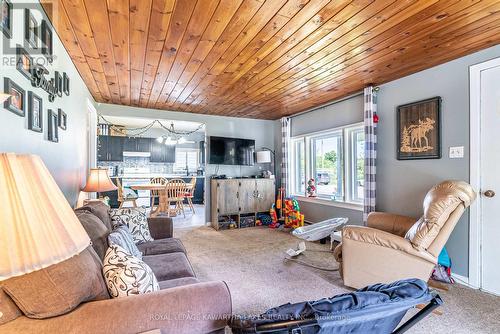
(136, 221)
(126, 275)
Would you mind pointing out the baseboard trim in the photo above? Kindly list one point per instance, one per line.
(462, 280)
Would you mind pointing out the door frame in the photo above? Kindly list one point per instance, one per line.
(475, 223)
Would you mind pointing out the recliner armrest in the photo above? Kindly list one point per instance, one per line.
(385, 239)
(160, 227)
(395, 224)
(194, 308)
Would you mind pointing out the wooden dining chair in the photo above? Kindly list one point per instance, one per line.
(129, 197)
(190, 193)
(155, 194)
(176, 189)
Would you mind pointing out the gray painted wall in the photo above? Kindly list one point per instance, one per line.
(66, 160)
(402, 185)
(260, 130)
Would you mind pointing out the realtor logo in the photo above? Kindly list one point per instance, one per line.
(27, 25)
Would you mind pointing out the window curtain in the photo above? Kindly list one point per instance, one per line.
(285, 143)
(370, 151)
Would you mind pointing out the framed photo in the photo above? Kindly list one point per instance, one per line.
(6, 18)
(419, 130)
(58, 81)
(47, 46)
(15, 102)
(24, 62)
(65, 84)
(35, 112)
(62, 119)
(31, 29)
(53, 126)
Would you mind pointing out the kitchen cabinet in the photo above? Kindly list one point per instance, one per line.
(110, 148)
(137, 144)
(162, 153)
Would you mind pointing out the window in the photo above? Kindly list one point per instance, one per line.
(186, 158)
(334, 159)
(299, 166)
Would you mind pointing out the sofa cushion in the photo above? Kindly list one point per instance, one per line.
(59, 288)
(96, 229)
(136, 221)
(126, 275)
(162, 246)
(439, 203)
(101, 210)
(121, 236)
(8, 309)
(172, 283)
(169, 266)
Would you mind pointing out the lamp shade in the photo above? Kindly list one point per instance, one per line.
(99, 181)
(38, 227)
(4, 97)
(263, 157)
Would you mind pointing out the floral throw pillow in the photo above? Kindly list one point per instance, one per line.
(136, 221)
(126, 275)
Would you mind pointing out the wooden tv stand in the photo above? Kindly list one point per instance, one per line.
(240, 197)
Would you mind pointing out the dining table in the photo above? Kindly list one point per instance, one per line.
(163, 203)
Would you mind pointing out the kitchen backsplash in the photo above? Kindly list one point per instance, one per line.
(137, 162)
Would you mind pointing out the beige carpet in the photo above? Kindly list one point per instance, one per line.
(250, 261)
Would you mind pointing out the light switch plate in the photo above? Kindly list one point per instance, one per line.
(456, 152)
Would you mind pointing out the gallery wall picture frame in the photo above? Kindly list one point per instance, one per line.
(16, 102)
(35, 112)
(58, 81)
(24, 62)
(6, 18)
(62, 119)
(66, 83)
(47, 45)
(31, 29)
(419, 130)
(53, 126)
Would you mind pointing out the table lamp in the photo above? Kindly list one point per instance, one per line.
(38, 227)
(99, 181)
(265, 157)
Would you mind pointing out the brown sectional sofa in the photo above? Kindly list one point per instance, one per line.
(183, 305)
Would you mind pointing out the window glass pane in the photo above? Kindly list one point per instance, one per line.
(186, 158)
(299, 167)
(358, 163)
(328, 166)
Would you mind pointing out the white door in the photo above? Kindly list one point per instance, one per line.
(489, 179)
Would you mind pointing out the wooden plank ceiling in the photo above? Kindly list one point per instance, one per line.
(261, 58)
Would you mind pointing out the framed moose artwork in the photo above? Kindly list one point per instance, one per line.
(419, 130)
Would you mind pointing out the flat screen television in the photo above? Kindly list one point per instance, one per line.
(231, 151)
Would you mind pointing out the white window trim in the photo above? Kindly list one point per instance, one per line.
(306, 137)
(197, 151)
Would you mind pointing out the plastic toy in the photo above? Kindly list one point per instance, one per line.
(311, 188)
(274, 217)
(293, 217)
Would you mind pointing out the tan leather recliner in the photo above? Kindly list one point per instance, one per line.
(395, 247)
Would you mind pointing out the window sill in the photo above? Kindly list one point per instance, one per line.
(345, 205)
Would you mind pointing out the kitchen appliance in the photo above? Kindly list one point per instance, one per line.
(138, 175)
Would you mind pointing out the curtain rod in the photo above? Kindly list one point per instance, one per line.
(326, 105)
